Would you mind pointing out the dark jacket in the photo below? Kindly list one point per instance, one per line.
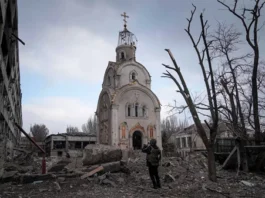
(153, 155)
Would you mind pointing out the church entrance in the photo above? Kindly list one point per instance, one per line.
(137, 140)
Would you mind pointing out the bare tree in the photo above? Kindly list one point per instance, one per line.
(171, 125)
(91, 126)
(205, 59)
(249, 18)
(225, 46)
(71, 129)
(39, 132)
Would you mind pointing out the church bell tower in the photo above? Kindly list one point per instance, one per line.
(126, 48)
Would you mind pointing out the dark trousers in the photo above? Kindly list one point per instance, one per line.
(153, 172)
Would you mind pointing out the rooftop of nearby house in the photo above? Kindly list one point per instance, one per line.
(76, 134)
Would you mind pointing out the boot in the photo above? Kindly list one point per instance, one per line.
(158, 183)
(154, 184)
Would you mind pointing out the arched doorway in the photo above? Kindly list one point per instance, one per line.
(137, 140)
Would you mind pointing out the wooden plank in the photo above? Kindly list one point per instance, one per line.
(228, 158)
(96, 170)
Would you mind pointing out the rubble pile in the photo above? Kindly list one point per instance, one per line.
(179, 178)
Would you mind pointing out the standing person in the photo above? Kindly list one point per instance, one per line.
(153, 158)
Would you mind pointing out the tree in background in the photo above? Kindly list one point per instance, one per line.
(250, 21)
(71, 129)
(90, 126)
(170, 125)
(39, 132)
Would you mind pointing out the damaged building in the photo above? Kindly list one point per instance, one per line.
(188, 139)
(72, 143)
(128, 110)
(10, 91)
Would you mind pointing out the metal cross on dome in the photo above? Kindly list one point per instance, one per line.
(125, 16)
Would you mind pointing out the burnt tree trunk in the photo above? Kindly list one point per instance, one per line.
(211, 163)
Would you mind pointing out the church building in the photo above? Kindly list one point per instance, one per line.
(128, 111)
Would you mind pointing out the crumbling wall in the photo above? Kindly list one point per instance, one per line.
(9, 149)
(99, 153)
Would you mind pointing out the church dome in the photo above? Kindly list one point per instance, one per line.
(127, 38)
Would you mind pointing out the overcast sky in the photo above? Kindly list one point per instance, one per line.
(69, 44)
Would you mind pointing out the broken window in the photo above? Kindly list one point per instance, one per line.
(133, 76)
(58, 144)
(59, 153)
(189, 142)
(184, 142)
(85, 144)
(78, 145)
(122, 56)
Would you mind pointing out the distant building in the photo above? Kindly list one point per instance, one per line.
(188, 139)
(73, 143)
(10, 92)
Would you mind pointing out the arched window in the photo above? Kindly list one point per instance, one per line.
(129, 110)
(133, 76)
(144, 111)
(136, 109)
(123, 132)
(122, 55)
(109, 83)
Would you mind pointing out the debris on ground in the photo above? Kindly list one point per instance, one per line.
(179, 178)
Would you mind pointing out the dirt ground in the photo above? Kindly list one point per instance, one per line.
(180, 178)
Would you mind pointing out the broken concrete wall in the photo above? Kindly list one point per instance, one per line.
(6, 152)
(9, 149)
(97, 154)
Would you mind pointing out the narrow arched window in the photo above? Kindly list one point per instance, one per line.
(122, 55)
(109, 83)
(133, 76)
(144, 111)
(123, 132)
(136, 110)
(129, 110)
